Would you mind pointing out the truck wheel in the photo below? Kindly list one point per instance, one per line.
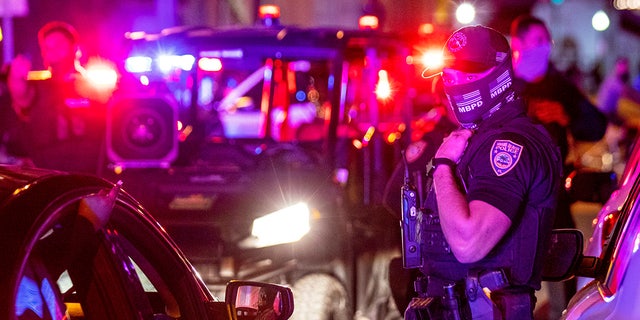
(320, 297)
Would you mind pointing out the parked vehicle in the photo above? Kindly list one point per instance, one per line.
(609, 284)
(81, 247)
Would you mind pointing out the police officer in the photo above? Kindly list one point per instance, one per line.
(494, 186)
(62, 122)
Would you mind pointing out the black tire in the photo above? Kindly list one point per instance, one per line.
(320, 297)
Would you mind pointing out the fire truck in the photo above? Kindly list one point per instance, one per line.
(264, 152)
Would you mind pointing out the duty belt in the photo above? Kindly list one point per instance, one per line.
(458, 299)
(493, 280)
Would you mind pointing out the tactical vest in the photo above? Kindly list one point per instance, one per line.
(514, 253)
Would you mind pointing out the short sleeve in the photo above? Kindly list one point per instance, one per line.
(500, 172)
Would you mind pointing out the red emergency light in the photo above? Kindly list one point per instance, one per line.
(368, 22)
(269, 11)
(383, 87)
(432, 58)
(102, 74)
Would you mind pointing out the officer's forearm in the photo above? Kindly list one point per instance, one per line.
(453, 208)
(472, 229)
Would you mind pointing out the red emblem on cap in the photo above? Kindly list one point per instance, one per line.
(457, 42)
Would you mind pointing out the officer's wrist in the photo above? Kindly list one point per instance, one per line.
(443, 162)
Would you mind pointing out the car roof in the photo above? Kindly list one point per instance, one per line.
(191, 39)
(14, 178)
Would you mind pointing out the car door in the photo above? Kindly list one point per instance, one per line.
(81, 248)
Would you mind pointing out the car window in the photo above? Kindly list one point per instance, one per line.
(631, 167)
(234, 98)
(106, 274)
(386, 110)
(80, 272)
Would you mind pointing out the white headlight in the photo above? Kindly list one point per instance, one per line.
(283, 226)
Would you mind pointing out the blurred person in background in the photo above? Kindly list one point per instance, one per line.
(556, 102)
(9, 125)
(636, 79)
(266, 301)
(61, 119)
(620, 102)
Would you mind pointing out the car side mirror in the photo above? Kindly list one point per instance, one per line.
(564, 255)
(251, 300)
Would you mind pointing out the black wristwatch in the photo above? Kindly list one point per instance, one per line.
(435, 162)
(443, 161)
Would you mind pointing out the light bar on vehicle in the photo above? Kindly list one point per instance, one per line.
(138, 64)
(210, 64)
(269, 15)
(168, 63)
(368, 22)
(269, 11)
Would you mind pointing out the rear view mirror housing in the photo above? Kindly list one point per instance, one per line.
(564, 254)
(248, 298)
(564, 259)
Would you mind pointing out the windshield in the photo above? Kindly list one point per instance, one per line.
(284, 100)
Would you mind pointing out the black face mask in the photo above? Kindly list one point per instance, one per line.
(475, 101)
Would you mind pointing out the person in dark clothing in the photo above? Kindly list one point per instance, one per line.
(551, 98)
(62, 121)
(265, 305)
(554, 101)
(489, 209)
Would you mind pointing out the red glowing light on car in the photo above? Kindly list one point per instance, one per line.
(432, 59)
(102, 74)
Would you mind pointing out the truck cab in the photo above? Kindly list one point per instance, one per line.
(264, 152)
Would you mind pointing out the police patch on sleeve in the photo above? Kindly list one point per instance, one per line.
(505, 154)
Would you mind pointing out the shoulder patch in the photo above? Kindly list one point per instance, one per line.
(504, 156)
(415, 150)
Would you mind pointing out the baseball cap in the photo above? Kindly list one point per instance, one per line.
(473, 49)
(58, 26)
